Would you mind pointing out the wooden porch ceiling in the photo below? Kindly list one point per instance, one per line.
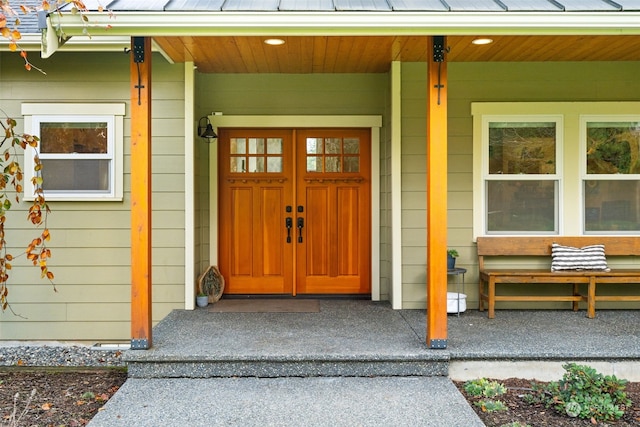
(373, 54)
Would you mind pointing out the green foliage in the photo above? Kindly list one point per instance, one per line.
(583, 393)
(484, 387)
(489, 405)
(453, 253)
(11, 188)
(487, 390)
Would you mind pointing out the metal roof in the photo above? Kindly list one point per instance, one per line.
(502, 9)
(372, 5)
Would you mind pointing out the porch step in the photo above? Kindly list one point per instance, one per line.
(274, 367)
(344, 339)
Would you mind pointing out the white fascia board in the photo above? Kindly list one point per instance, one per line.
(349, 23)
(32, 42)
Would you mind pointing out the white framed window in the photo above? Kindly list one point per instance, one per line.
(521, 173)
(556, 168)
(81, 150)
(610, 173)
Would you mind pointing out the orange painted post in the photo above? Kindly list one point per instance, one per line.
(436, 193)
(140, 70)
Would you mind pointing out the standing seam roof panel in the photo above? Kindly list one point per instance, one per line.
(531, 6)
(418, 5)
(306, 5)
(369, 5)
(194, 5)
(251, 5)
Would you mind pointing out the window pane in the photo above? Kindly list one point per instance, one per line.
(274, 164)
(613, 148)
(351, 164)
(522, 148)
(314, 164)
(314, 145)
(611, 205)
(521, 206)
(332, 145)
(75, 175)
(73, 137)
(238, 146)
(256, 145)
(256, 164)
(332, 164)
(351, 145)
(238, 164)
(274, 146)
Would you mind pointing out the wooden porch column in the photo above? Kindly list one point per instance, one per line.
(140, 71)
(436, 193)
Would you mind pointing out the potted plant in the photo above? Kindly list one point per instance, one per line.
(452, 254)
(202, 299)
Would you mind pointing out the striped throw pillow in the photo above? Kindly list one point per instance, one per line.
(586, 258)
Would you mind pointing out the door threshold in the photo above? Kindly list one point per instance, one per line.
(299, 296)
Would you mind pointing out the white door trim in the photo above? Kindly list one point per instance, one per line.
(372, 122)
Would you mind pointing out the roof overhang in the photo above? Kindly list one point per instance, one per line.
(347, 23)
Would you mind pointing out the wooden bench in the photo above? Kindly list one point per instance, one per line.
(532, 246)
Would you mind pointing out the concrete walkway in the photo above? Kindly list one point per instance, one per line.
(355, 363)
(315, 401)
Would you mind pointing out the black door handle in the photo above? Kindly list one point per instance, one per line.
(300, 227)
(289, 224)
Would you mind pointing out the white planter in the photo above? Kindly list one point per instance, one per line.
(202, 301)
(455, 298)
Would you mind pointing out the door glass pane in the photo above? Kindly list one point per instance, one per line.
(256, 145)
(256, 164)
(351, 164)
(611, 205)
(521, 206)
(351, 145)
(332, 164)
(522, 148)
(613, 147)
(238, 146)
(73, 137)
(314, 145)
(238, 164)
(274, 146)
(274, 164)
(314, 164)
(332, 146)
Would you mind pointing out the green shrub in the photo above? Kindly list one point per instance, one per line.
(484, 387)
(583, 393)
(490, 405)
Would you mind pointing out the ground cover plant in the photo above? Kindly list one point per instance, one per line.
(582, 397)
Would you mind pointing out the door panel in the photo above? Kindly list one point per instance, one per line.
(318, 182)
(255, 187)
(334, 184)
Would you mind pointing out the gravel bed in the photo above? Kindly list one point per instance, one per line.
(60, 355)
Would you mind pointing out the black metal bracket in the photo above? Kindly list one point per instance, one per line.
(437, 344)
(138, 49)
(139, 344)
(438, 49)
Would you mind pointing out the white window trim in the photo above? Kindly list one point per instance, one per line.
(571, 203)
(113, 114)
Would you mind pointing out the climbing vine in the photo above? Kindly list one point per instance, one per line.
(11, 188)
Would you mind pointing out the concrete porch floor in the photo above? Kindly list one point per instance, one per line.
(364, 338)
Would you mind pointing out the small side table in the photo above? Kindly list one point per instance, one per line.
(458, 272)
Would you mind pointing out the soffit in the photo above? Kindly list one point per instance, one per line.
(370, 54)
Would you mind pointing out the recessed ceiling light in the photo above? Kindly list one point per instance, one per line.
(274, 42)
(481, 41)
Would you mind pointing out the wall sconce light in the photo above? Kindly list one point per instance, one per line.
(205, 129)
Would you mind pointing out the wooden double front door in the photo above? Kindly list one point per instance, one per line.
(295, 211)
